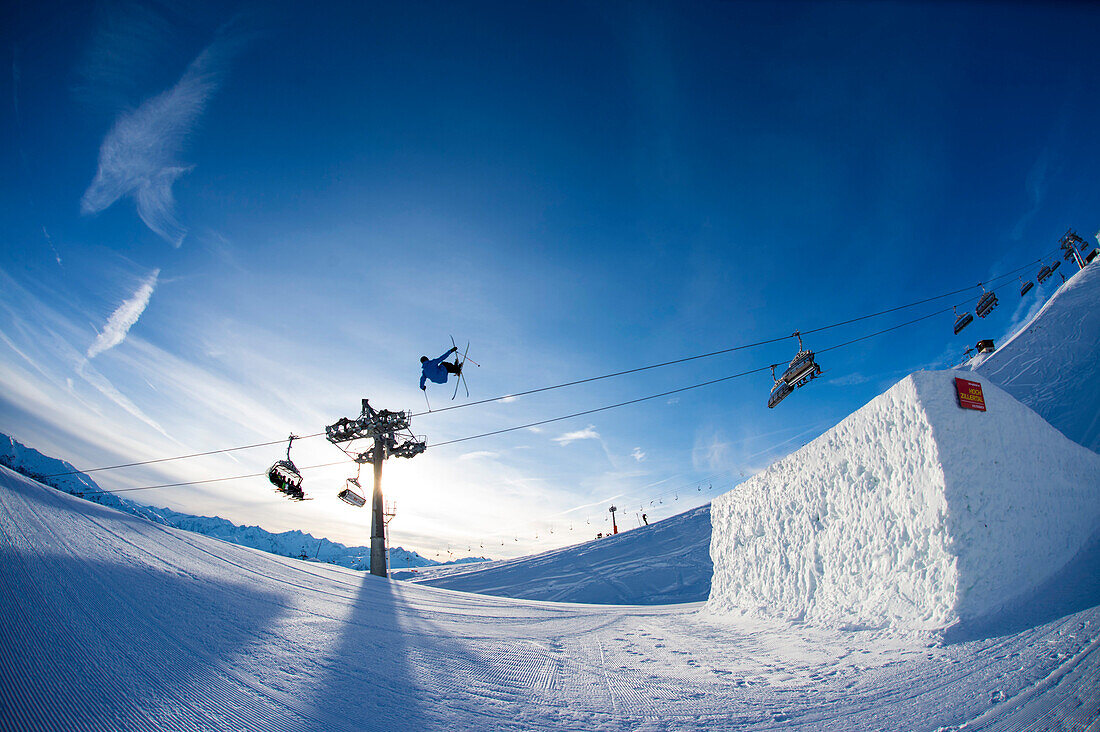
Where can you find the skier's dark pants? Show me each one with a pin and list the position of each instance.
(452, 368)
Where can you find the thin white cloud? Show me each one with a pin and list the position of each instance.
(478, 454)
(588, 433)
(124, 317)
(1036, 185)
(52, 247)
(637, 454)
(852, 379)
(138, 156)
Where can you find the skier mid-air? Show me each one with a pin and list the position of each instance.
(438, 369)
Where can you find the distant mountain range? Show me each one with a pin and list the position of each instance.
(33, 464)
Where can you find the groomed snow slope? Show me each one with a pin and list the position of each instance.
(666, 562)
(108, 622)
(1053, 364)
(911, 513)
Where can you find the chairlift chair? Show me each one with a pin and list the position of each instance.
(1055, 266)
(986, 303)
(961, 321)
(287, 480)
(352, 493)
(1025, 287)
(1044, 272)
(780, 391)
(802, 367)
(285, 477)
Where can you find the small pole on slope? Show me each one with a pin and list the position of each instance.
(614, 526)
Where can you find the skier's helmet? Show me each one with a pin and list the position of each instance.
(423, 359)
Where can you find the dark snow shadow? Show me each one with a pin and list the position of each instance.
(372, 681)
(1073, 588)
(95, 644)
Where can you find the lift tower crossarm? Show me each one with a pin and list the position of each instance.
(390, 435)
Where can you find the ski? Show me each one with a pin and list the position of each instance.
(460, 379)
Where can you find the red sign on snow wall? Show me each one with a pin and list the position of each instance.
(970, 394)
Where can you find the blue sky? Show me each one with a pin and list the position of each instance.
(222, 223)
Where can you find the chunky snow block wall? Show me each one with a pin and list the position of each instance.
(911, 513)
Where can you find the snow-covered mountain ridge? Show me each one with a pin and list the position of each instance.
(33, 464)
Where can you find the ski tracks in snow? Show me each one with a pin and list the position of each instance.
(108, 621)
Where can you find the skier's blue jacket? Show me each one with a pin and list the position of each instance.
(433, 369)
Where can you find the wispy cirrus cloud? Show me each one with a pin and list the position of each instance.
(638, 454)
(124, 317)
(107, 389)
(138, 157)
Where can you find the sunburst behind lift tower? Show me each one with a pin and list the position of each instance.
(390, 436)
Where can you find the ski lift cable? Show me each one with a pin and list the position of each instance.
(725, 350)
(103, 491)
(759, 369)
(568, 416)
(577, 382)
(181, 457)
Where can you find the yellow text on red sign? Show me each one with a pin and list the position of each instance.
(970, 394)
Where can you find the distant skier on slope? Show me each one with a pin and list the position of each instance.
(438, 369)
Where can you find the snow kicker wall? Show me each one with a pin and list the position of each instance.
(912, 513)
